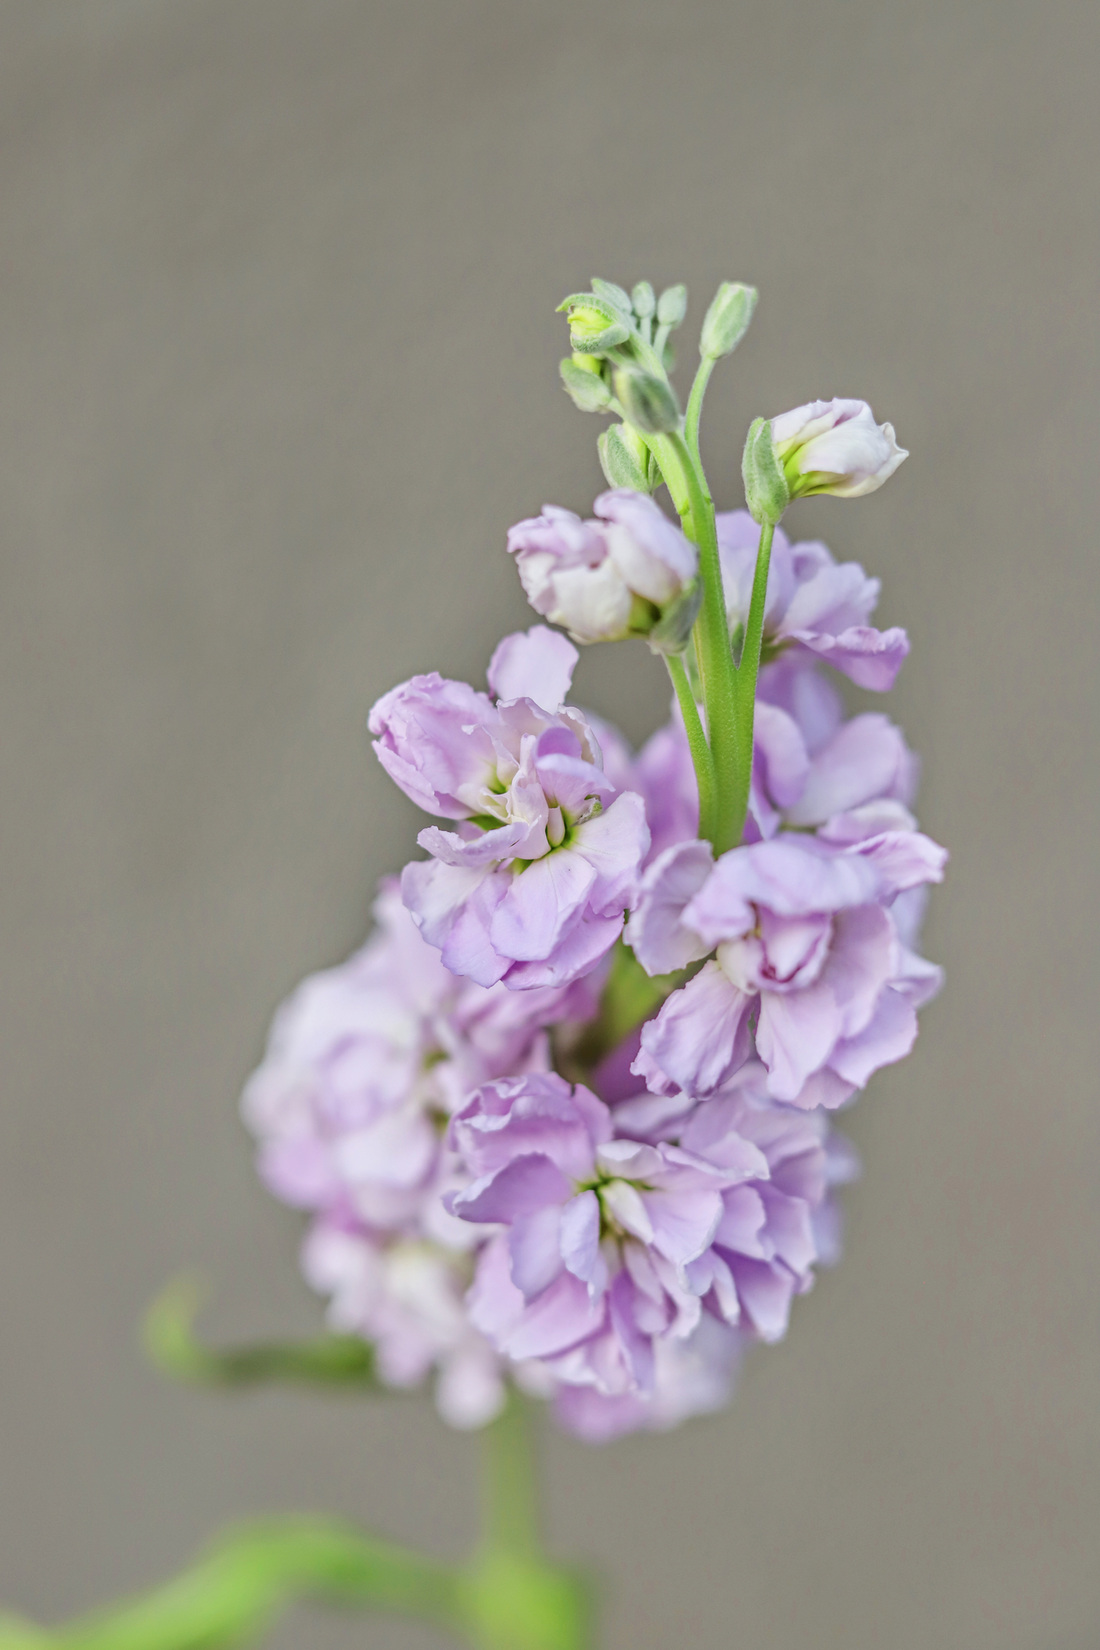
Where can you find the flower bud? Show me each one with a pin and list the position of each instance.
(583, 381)
(595, 325)
(672, 306)
(727, 320)
(624, 458)
(644, 300)
(835, 447)
(766, 492)
(648, 401)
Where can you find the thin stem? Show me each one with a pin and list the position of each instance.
(747, 673)
(697, 743)
(712, 640)
(695, 405)
(510, 1518)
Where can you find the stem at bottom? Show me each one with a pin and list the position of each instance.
(512, 1598)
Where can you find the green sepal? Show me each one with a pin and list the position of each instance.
(585, 388)
(648, 401)
(170, 1343)
(727, 320)
(624, 458)
(766, 492)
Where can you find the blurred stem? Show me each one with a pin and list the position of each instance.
(510, 1510)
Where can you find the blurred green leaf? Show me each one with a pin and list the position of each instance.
(171, 1344)
(234, 1594)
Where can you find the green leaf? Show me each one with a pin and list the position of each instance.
(170, 1343)
(245, 1582)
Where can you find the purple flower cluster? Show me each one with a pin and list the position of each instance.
(488, 1202)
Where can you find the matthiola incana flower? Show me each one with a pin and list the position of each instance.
(804, 944)
(835, 447)
(363, 1067)
(815, 608)
(532, 885)
(619, 575)
(634, 1272)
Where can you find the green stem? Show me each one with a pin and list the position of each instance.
(695, 406)
(712, 639)
(510, 1513)
(697, 742)
(747, 673)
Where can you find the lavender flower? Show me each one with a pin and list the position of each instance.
(805, 944)
(605, 579)
(532, 886)
(633, 1272)
(814, 606)
(835, 447)
(363, 1067)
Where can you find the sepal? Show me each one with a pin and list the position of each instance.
(583, 383)
(648, 401)
(766, 491)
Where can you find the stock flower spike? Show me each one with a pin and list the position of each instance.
(562, 1126)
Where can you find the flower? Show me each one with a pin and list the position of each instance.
(835, 447)
(815, 607)
(364, 1065)
(605, 579)
(804, 944)
(633, 1272)
(533, 885)
(407, 1297)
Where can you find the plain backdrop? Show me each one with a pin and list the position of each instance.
(277, 283)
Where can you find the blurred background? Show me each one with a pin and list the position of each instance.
(280, 368)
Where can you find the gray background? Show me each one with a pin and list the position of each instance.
(279, 369)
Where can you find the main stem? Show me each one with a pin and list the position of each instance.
(688, 487)
(510, 1510)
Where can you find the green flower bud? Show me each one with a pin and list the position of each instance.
(727, 320)
(672, 306)
(644, 300)
(595, 325)
(580, 374)
(766, 491)
(624, 458)
(647, 401)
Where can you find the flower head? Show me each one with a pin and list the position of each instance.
(804, 946)
(532, 886)
(815, 607)
(835, 447)
(609, 578)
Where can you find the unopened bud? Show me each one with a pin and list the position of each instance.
(835, 447)
(727, 320)
(595, 325)
(672, 306)
(583, 381)
(647, 401)
(644, 300)
(624, 458)
(766, 492)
